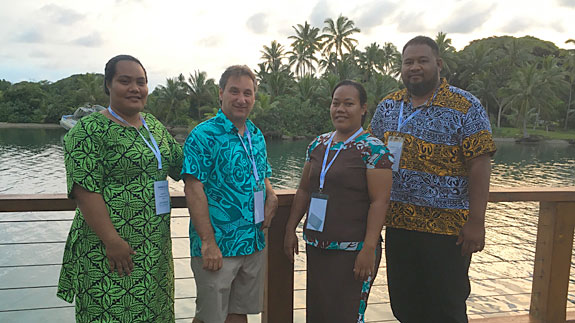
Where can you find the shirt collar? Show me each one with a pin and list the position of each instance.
(443, 87)
(229, 127)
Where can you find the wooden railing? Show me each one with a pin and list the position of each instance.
(552, 256)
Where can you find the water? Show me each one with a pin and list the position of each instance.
(31, 162)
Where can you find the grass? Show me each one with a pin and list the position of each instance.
(505, 132)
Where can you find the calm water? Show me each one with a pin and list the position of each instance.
(31, 162)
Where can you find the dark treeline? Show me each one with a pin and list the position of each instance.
(523, 82)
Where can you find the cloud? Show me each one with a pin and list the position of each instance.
(30, 36)
(320, 13)
(373, 14)
(468, 17)
(92, 40)
(411, 22)
(567, 3)
(61, 15)
(258, 23)
(210, 41)
(38, 54)
(516, 25)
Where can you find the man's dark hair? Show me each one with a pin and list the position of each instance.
(360, 90)
(237, 71)
(423, 40)
(110, 69)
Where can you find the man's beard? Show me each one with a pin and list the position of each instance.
(421, 88)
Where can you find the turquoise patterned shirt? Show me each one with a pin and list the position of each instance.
(214, 154)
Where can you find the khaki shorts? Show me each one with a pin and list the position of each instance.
(237, 288)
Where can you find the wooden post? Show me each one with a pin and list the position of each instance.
(552, 261)
(278, 296)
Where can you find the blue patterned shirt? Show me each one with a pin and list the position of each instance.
(430, 190)
(214, 154)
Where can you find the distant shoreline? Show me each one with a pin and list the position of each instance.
(5, 125)
(182, 131)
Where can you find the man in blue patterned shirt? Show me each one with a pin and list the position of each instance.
(440, 137)
(231, 202)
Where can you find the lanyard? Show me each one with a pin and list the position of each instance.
(155, 149)
(401, 122)
(250, 156)
(324, 169)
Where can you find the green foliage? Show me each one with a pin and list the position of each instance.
(523, 82)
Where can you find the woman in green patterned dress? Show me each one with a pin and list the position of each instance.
(118, 264)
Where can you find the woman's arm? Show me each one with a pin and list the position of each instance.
(298, 209)
(96, 214)
(379, 188)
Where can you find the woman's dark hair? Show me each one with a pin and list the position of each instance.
(110, 69)
(360, 90)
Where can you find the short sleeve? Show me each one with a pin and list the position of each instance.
(376, 155)
(83, 156)
(310, 148)
(197, 156)
(477, 139)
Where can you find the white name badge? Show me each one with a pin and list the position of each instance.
(317, 210)
(162, 197)
(258, 206)
(395, 146)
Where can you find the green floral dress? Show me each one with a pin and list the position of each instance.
(114, 161)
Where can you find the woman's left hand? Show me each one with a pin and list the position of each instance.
(364, 264)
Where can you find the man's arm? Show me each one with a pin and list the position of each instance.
(271, 205)
(472, 235)
(198, 207)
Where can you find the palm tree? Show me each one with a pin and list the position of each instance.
(446, 53)
(90, 87)
(171, 98)
(337, 35)
(570, 72)
(302, 58)
(390, 60)
(370, 61)
(203, 94)
(273, 56)
(528, 92)
(307, 41)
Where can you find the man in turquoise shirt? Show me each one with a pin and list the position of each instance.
(231, 202)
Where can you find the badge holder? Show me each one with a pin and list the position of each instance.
(162, 197)
(317, 211)
(259, 215)
(395, 146)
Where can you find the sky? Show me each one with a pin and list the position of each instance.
(53, 39)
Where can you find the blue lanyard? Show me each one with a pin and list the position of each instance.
(324, 169)
(401, 123)
(155, 149)
(250, 156)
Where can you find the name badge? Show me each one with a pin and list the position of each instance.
(259, 206)
(162, 197)
(395, 146)
(317, 210)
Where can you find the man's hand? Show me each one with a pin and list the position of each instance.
(291, 245)
(270, 206)
(119, 254)
(211, 256)
(364, 264)
(471, 237)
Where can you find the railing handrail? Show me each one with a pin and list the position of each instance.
(61, 202)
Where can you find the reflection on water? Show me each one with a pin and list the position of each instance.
(31, 162)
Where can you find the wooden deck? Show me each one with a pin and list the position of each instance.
(551, 264)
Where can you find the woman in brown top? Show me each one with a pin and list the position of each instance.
(344, 189)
